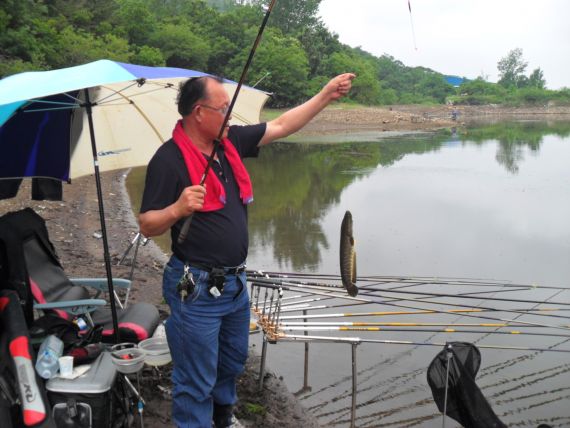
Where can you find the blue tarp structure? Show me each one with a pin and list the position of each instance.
(454, 80)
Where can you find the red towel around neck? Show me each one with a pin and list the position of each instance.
(196, 165)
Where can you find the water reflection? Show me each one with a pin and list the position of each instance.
(514, 137)
(297, 184)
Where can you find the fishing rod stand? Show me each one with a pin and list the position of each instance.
(268, 314)
(137, 241)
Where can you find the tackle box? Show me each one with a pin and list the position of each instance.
(86, 401)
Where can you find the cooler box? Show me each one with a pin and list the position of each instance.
(87, 401)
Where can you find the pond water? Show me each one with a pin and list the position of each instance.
(491, 201)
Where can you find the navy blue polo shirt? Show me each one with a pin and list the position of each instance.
(215, 238)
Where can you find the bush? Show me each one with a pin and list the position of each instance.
(530, 95)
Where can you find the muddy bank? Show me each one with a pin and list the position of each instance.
(334, 120)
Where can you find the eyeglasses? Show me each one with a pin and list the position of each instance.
(222, 110)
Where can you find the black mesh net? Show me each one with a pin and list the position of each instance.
(465, 401)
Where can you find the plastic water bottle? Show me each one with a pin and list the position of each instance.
(160, 331)
(50, 350)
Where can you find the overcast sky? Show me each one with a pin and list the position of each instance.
(459, 37)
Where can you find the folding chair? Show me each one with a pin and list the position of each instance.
(31, 267)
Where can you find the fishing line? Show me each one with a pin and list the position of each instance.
(412, 24)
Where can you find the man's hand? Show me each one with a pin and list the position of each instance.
(339, 86)
(293, 120)
(191, 199)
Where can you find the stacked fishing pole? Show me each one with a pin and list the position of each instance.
(291, 302)
(287, 303)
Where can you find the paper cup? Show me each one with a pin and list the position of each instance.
(65, 366)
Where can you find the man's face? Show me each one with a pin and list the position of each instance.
(213, 109)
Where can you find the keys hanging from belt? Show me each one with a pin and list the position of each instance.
(186, 283)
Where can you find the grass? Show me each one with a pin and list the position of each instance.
(255, 409)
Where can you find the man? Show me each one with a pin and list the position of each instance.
(204, 281)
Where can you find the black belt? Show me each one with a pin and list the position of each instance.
(227, 270)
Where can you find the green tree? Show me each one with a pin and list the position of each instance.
(536, 79)
(366, 87)
(292, 16)
(286, 62)
(511, 69)
(180, 46)
(135, 21)
(78, 47)
(319, 43)
(147, 55)
(230, 34)
(432, 85)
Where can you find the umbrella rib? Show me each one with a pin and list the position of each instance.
(108, 99)
(114, 92)
(36, 110)
(34, 101)
(143, 115)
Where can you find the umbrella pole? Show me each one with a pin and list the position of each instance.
(106, 255)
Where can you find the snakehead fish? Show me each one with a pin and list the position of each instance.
(348, 256)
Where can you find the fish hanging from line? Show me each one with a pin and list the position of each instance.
(348, 256)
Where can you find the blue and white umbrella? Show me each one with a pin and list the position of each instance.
(95, 117)
(44, 128)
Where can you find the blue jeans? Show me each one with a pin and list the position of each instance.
(208, 339)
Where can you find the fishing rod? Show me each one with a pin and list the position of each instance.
(391, 313)
(357, 340)
(304, 304)
(469, 295)
(464, 296)
(271, 284)
(367, 297)
(397, 324)
(414, 330)
(520, 310)
(186, 226)
(512, 311)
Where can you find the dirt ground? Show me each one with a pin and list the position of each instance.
(74, 228)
